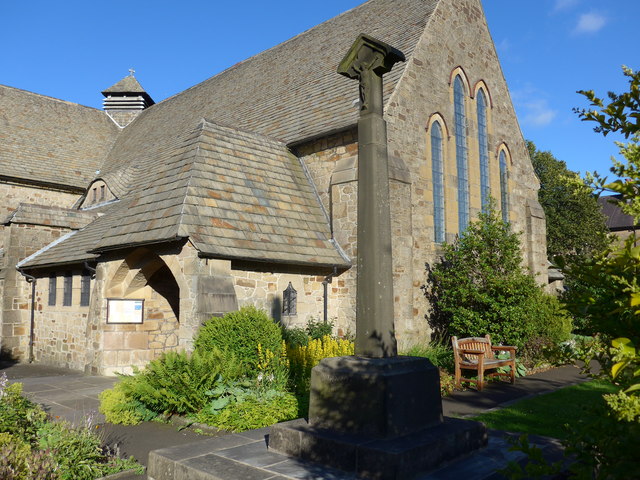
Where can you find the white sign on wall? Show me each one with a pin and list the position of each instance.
(124, 310)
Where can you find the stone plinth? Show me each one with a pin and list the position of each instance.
(379, 397)
(399, 458)
(380, 418)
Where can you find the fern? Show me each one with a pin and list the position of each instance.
(177, 381)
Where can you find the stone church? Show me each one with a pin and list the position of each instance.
(122, 229)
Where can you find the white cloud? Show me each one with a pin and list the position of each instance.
(537, 113)
(533, 109)
(564, 5)
(590, 23)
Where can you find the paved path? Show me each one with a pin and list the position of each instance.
(72, 395)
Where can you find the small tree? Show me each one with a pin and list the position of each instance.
(576, 226)
(480, 287)
(606, 444)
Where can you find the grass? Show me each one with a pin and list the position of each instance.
(548, 414)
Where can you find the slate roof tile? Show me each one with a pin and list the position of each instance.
(50, 141)
(181, 170)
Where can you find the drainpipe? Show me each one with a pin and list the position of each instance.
(327, 280)
(32, 280)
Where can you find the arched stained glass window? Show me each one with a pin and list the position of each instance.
(461, 154)
(504, 185)
(437, 169)
(483, 148)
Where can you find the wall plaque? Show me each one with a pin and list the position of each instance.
(121, 310)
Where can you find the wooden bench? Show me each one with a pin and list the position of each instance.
(477, 353)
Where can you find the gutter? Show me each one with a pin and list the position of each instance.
(32, 280)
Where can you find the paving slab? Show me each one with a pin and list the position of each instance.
(246, 455)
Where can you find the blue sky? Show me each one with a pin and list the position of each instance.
(548, 48)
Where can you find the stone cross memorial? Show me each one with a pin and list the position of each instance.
(375, 414)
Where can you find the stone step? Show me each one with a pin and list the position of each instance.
(245, 456)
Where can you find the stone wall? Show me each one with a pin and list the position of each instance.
(60, 331)
(265, 291)
(457, 41)
(20, 241)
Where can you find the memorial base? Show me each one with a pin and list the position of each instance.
(379, 418)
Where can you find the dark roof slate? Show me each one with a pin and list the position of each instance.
(290, 92)
(50, 216)
(48, 141)
(233, 194)
(128, 84)
(236, 194)
(615, 218)
(74, 247)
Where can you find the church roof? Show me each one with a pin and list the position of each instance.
(230, 183)
(128, 84)
(234, 194)
(616, 219)
(51, 142)
(52, 216)
(290, 92)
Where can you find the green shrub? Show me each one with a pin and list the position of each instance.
(14, 458)
(295, 336)
(77, 451)
(439, 354)
(254, 409)
(174, 383)
(318, 329)
(19, 416)
(38, 449)
(239, 333)
(118, 408)
(480, 287)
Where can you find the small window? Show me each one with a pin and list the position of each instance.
(289, 301)
(102, 189)
(85, 290)
(53, 284)
(94, 197)
(68, 285)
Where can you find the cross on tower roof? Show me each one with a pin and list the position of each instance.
(131, 72)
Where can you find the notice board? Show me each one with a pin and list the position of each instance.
(124, 310)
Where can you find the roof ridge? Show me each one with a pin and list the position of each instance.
(51, 98)
(244, 131)
(195, 139)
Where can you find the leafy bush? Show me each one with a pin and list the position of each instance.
(438, 354)
(252, 409)
(78, 452)
(38, 449)
(19, 416)
(295, 336)
(318, 329)
(447, 383)
(480, 287)
(119, 408)
(239, 333)
(303, 359)
(174, 383)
